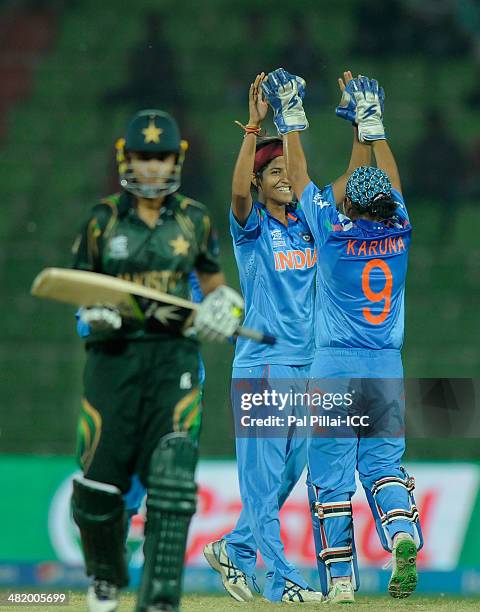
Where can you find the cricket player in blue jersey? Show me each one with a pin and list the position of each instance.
(362, 264)
(276, 258)
(99, 317)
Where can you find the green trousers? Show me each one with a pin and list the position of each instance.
(135, 392)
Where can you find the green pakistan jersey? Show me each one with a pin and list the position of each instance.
(115, 241)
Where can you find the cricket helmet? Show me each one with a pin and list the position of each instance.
(151, 132)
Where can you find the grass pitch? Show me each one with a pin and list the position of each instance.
(224, 603)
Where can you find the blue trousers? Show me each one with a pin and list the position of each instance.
(268, 469)
(376, 377)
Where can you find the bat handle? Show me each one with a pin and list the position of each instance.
(255, 335)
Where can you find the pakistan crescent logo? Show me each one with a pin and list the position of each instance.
(152, 132)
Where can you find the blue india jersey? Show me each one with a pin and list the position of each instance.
(276, 266)
(361, 273)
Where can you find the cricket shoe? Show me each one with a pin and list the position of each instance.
(293, 593)
(341, 592)
(233, 579)
(404, 578)
(102, 596)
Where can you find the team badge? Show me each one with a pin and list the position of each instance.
(152, 132)
(186, 381)
(118, 247)
(307, 237)
(180, 246)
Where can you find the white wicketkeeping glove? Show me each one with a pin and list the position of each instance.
(219, 315)
(369, 113)
(101, 318)
(284, 92)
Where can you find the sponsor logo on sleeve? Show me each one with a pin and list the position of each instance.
(317, 199)
(118, 247)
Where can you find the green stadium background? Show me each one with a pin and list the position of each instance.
(63, 65)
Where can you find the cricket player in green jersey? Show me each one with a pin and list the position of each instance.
(142, 398)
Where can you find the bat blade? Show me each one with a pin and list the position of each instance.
(82, 288)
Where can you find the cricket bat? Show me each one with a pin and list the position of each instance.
(82, 288)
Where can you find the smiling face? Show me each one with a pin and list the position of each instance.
(273, 184)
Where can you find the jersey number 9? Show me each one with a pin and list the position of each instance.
(373, 296)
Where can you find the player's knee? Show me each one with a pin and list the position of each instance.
(99, 511)
(95, 502)
(171, 484)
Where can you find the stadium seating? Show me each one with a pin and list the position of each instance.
(58, 147)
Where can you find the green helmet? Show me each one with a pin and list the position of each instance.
(151, 131)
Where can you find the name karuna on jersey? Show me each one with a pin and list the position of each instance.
(367, 248)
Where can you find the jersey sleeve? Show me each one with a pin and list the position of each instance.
(320, 211)
(250, 231)
(401, 211)
(207, 260)
(86, 248)
(88, 245)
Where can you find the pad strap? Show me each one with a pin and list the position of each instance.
(389, 481)
(399, 514)
(337, 554)
(332, 509)
(396, 514)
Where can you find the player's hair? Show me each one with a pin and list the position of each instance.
(383, 208)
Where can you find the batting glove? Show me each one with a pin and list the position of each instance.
(219, 315)
(284, 93)
(369, 112)
(101, 318)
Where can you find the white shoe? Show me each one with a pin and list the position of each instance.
(293, 593)
(233, 579)
(102, 596)
(341, 592)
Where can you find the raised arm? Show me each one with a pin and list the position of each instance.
(361, 156)
(284, 92)
(242, 174)
(386, 162)
(295, 162)
(361, 153)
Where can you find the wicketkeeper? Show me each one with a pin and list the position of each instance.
(363, 244)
